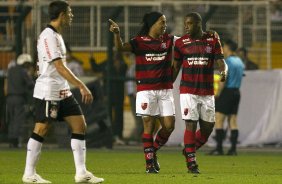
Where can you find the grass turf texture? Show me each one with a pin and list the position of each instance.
(127, 167)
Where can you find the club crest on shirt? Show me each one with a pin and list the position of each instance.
(163, 45)
(185, 111)
(144, 106)
(208, 49)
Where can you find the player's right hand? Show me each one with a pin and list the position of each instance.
(223, 76)
(86, 95)
(114, 27)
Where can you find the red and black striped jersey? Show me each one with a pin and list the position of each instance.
(153, 62)
(197, 57)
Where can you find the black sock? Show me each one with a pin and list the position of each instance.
(219, 138)
(234, 138)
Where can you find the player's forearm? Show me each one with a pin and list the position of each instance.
(222, 66)
(175, 70)
(70, 77)
(118, 42)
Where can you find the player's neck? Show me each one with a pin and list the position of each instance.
(56, 25)
(198, 35)
(154, 35)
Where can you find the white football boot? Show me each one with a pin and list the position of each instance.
(34, 179)
(88, 177)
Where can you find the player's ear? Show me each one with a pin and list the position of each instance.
(62, 15)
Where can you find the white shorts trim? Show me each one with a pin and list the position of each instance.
(155, 103)
(195, 107)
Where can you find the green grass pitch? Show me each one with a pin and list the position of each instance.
(126, 166)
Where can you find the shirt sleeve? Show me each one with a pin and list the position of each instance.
(177, 54)
(53, 48)
(174, 39)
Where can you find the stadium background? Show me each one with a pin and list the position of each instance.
(256, 25)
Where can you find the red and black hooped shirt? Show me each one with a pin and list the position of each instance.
(197, 57)
(153, 62)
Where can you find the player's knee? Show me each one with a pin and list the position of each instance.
(207, 129)
(79, 129)
(169, 129)
(41, 129)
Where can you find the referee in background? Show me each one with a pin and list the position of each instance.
(228, 98)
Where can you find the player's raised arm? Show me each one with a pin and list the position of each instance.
(114, 28)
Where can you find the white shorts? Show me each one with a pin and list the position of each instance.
(195, 107)
(155, 103)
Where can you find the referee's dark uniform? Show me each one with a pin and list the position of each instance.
(228, 101)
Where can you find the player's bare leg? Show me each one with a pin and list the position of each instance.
(203, 133)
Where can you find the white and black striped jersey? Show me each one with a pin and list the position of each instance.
(50, 85)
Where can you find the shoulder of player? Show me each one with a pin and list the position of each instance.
(47, 32)
(182, 39)
(211, 34)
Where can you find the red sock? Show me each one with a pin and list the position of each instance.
(200, 139)
(161, 139)
(190, 149)
(147, 140)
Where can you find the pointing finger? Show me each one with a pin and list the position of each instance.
(111, 21)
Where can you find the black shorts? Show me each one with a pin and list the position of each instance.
(56, 110)
(228, 101)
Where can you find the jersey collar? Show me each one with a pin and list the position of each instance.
(51, 27)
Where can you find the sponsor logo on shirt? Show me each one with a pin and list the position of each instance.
(155, 57)
(186, 41)
(197, 61)
(145, 38)
(47, 48)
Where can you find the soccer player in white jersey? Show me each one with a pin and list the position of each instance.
(53, 98)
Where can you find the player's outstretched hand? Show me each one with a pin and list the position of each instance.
(114, 27)
(86, 95)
